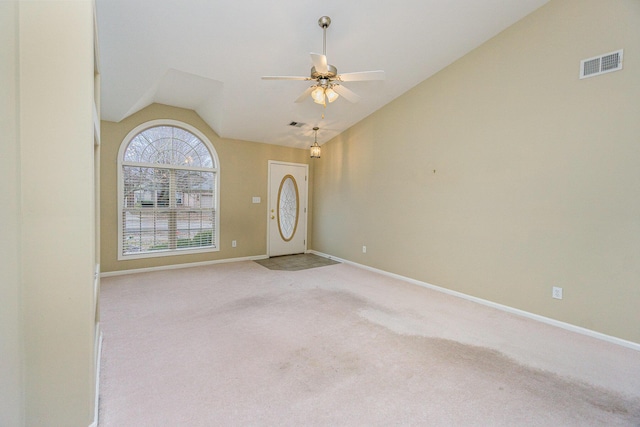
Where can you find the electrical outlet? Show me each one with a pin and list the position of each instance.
(556, 292)
(233, 243)
(364, 249)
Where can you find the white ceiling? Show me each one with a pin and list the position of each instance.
(209, 55)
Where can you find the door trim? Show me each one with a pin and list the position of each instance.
(304, 208)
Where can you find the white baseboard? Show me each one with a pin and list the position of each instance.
(537, 317)
(96, 412)
(177, 266)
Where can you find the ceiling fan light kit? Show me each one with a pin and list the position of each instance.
(327, 85)
(318, 95)
(324, 93)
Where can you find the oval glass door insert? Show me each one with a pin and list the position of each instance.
(288, 207)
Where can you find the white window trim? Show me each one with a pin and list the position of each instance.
(216, 170)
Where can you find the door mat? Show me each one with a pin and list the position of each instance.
(295, 262)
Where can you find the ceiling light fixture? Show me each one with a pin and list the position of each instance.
(318, 95)
(315, 148)
(324, 92)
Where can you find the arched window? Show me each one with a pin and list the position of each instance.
(167, 191)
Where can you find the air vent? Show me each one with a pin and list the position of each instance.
(296, 124)
(601, 64)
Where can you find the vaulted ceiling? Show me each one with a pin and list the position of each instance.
(209, 56)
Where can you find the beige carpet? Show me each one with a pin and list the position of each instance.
(237, 344)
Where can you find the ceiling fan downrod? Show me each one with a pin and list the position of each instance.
(324, 23)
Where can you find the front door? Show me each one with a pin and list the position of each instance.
(287, 208)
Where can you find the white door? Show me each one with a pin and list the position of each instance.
(287, 208)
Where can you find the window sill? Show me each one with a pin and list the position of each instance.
(163, 253)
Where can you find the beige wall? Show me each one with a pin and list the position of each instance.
(11, 354)
(504, 174)
(243, 174)
(56, 150)
(46, 164)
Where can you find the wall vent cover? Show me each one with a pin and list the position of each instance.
(601, 64)
(296, 124)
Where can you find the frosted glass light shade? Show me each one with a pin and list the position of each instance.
(332, 95)
(318, 95)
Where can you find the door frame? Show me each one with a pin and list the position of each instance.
(305, 208)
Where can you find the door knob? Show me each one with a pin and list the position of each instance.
(273, 217)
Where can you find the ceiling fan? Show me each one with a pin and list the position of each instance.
(328, 83)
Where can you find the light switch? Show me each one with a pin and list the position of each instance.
(256, 199)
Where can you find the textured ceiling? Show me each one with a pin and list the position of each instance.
(209, 56)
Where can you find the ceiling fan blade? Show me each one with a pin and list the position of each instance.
(320, 62)
(361, 76)
(285, 78)
(348, 94)
(305, 94)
